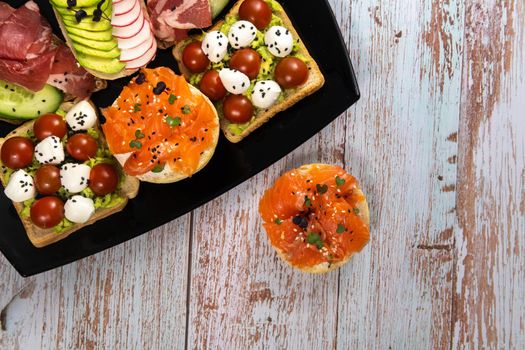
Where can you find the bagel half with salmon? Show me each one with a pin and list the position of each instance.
(160, 128)
(316, 217)
(110, 39)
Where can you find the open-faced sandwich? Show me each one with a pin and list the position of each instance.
(252, 65)
(60, 176)
(36, 68)
(316, 217)
(160, 128)
(110, 38)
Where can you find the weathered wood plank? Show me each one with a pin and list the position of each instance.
(398, 292)
(489, 304)
(129, 297)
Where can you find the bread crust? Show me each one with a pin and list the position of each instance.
(325, 267)
(168, 175)
(44, 237)
(315, 79)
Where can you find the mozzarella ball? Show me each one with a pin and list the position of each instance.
(75, 177)
(50, 151)
(234, 82)
(265, 93)
(20, 187)
(215, 46)
(241, 34)
(79, 209)
(82, 116)
(279, 41)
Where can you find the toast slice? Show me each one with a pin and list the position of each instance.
(315, 79)
(43, 237)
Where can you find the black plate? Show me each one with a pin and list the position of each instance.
(231, 165)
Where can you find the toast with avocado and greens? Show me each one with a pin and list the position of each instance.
(253, 65)
(57, 182)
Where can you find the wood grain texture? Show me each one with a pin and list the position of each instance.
(438, 143)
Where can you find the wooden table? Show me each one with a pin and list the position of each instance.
(438, 142)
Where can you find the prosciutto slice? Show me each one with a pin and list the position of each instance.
(31, 57)
(172, 18)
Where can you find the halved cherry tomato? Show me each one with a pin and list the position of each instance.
(47, 212)
(103, 179)
(247, 61)
(82, 147)
(47, 179)
(49, 125)
(237, 109)
(291, 72)
(211, 86)
(256, 11)
(17, 152)
(194, 58)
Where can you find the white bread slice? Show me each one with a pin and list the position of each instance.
(44, 237)
(315, 79)
(168, 175)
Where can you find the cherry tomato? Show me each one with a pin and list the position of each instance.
(291, 72)
(211, 86)
(103, 179)
(247, 61)
(47, 180)
(82, 147)
(237, 109)
(256, 11)
(47, 212)
(49, 125)
(194, 58)
(17, 152)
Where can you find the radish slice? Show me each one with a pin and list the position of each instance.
(123, 7)
(138, 51)
(128, 18)
(141, 36)
(130, 30)
(145, 59)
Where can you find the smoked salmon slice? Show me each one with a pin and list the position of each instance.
(316, 217)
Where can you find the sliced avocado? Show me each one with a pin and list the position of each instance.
(103, 65)
(98, 45)
(88, 24)
(217, 6)
(105, 35)
(65, 11)
(18, 103)
(113, 53)
(76, 3)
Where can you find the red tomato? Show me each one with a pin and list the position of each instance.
(256, 11)
(194, 58)
(47, 180)
(17, 152)
(49, 125)
(82, 147)
(103, 179)
(211, 86)
(47, 212)
(291, 72)
(247, 61)
(237, 109)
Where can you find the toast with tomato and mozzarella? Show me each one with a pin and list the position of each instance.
(252, 65)
(60, 176)
(110, 39)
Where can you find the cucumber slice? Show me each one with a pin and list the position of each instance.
(19, 103)
(217, 6)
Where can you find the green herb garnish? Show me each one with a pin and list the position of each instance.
(172, 99)
(315, 238)
(159, 168)
(173, 121)
(356, 211)
(136, 107)
(340, 228)
(339, 181)
(307, 202)
(278, 221)
(135, 144)
(322, 189)
(139, 134)
(185, 109)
